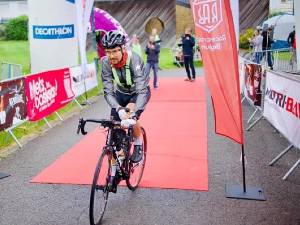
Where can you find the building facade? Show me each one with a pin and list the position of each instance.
(11, 9)
(285, 6)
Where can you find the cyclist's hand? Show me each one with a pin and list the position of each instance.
(128, 122)
(123, 114)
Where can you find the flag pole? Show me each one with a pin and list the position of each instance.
(244, 169)
(243, 192)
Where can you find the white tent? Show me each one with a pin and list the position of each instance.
(283, 25)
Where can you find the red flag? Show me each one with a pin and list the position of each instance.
(215, 32)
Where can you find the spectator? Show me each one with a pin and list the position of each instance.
(100, 49)
(152, 52)
(294, 53)
(188, 43)
(257, 42)
(292, 43)
(135, 45)
(156, 36)
(157, 39)
(266, 46)
(291, 38)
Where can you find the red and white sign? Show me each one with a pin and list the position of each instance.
(282, 106)
(81, 84)
(208, 14)
(47, 92)
(215, 32)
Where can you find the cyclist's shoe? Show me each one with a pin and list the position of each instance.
(111, 185)
(137, 154)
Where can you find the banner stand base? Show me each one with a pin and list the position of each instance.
(3, 175)
(237, 191)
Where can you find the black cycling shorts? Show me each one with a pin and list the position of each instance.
(123, 100)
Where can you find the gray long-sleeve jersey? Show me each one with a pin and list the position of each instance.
(139, 78)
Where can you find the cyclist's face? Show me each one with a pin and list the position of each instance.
(114, 54)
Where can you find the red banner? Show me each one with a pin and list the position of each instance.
(252, 90)
(215, 32)
(47, 92)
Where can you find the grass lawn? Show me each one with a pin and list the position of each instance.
(16, 52)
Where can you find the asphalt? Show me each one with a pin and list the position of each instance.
(22, 202)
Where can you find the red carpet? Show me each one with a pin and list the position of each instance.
(176, 126)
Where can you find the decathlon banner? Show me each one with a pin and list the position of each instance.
(282, 106)
(81, 84)
(52, 34)
(215, 32)
(12, 103)
(47, 92)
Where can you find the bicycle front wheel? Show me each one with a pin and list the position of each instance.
(136, 169)
(99, 191)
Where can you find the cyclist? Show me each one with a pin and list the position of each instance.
(125, 85)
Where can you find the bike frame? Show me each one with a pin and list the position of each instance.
(112, 148)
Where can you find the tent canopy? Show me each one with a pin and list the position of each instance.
(283, 25)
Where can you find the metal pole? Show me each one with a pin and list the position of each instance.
(291, 170)
(251, 117)
(255, 122)
(75, 100)
(59, 116)
(280, 155)
(14, 137)
(244, 169)
(49, 125)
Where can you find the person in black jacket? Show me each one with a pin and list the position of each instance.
(291, 38)
(152, 52)
(188, 43)
(267, 44)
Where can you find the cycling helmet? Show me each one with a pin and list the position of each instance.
(113, 39)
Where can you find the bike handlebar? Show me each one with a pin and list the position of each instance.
(103, 122)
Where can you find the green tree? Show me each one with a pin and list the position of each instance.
(17, 28)
(244, 43)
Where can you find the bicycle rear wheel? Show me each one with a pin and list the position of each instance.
(99, 190)
(136, 169)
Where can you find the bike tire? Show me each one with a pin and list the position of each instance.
(132, 183)
(97, 186)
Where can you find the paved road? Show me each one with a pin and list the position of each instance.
(38, 204)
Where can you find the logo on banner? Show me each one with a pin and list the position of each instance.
(208, 14)
(43, 93)
(53, 32)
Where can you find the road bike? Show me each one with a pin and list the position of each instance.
(114, 160)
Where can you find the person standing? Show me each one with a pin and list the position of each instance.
(267, 44)
(291, 41)
(154, 33)
(135, 45)
(257, 42)
(188, 43)
(152, 52)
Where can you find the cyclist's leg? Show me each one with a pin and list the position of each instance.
(137, 131)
